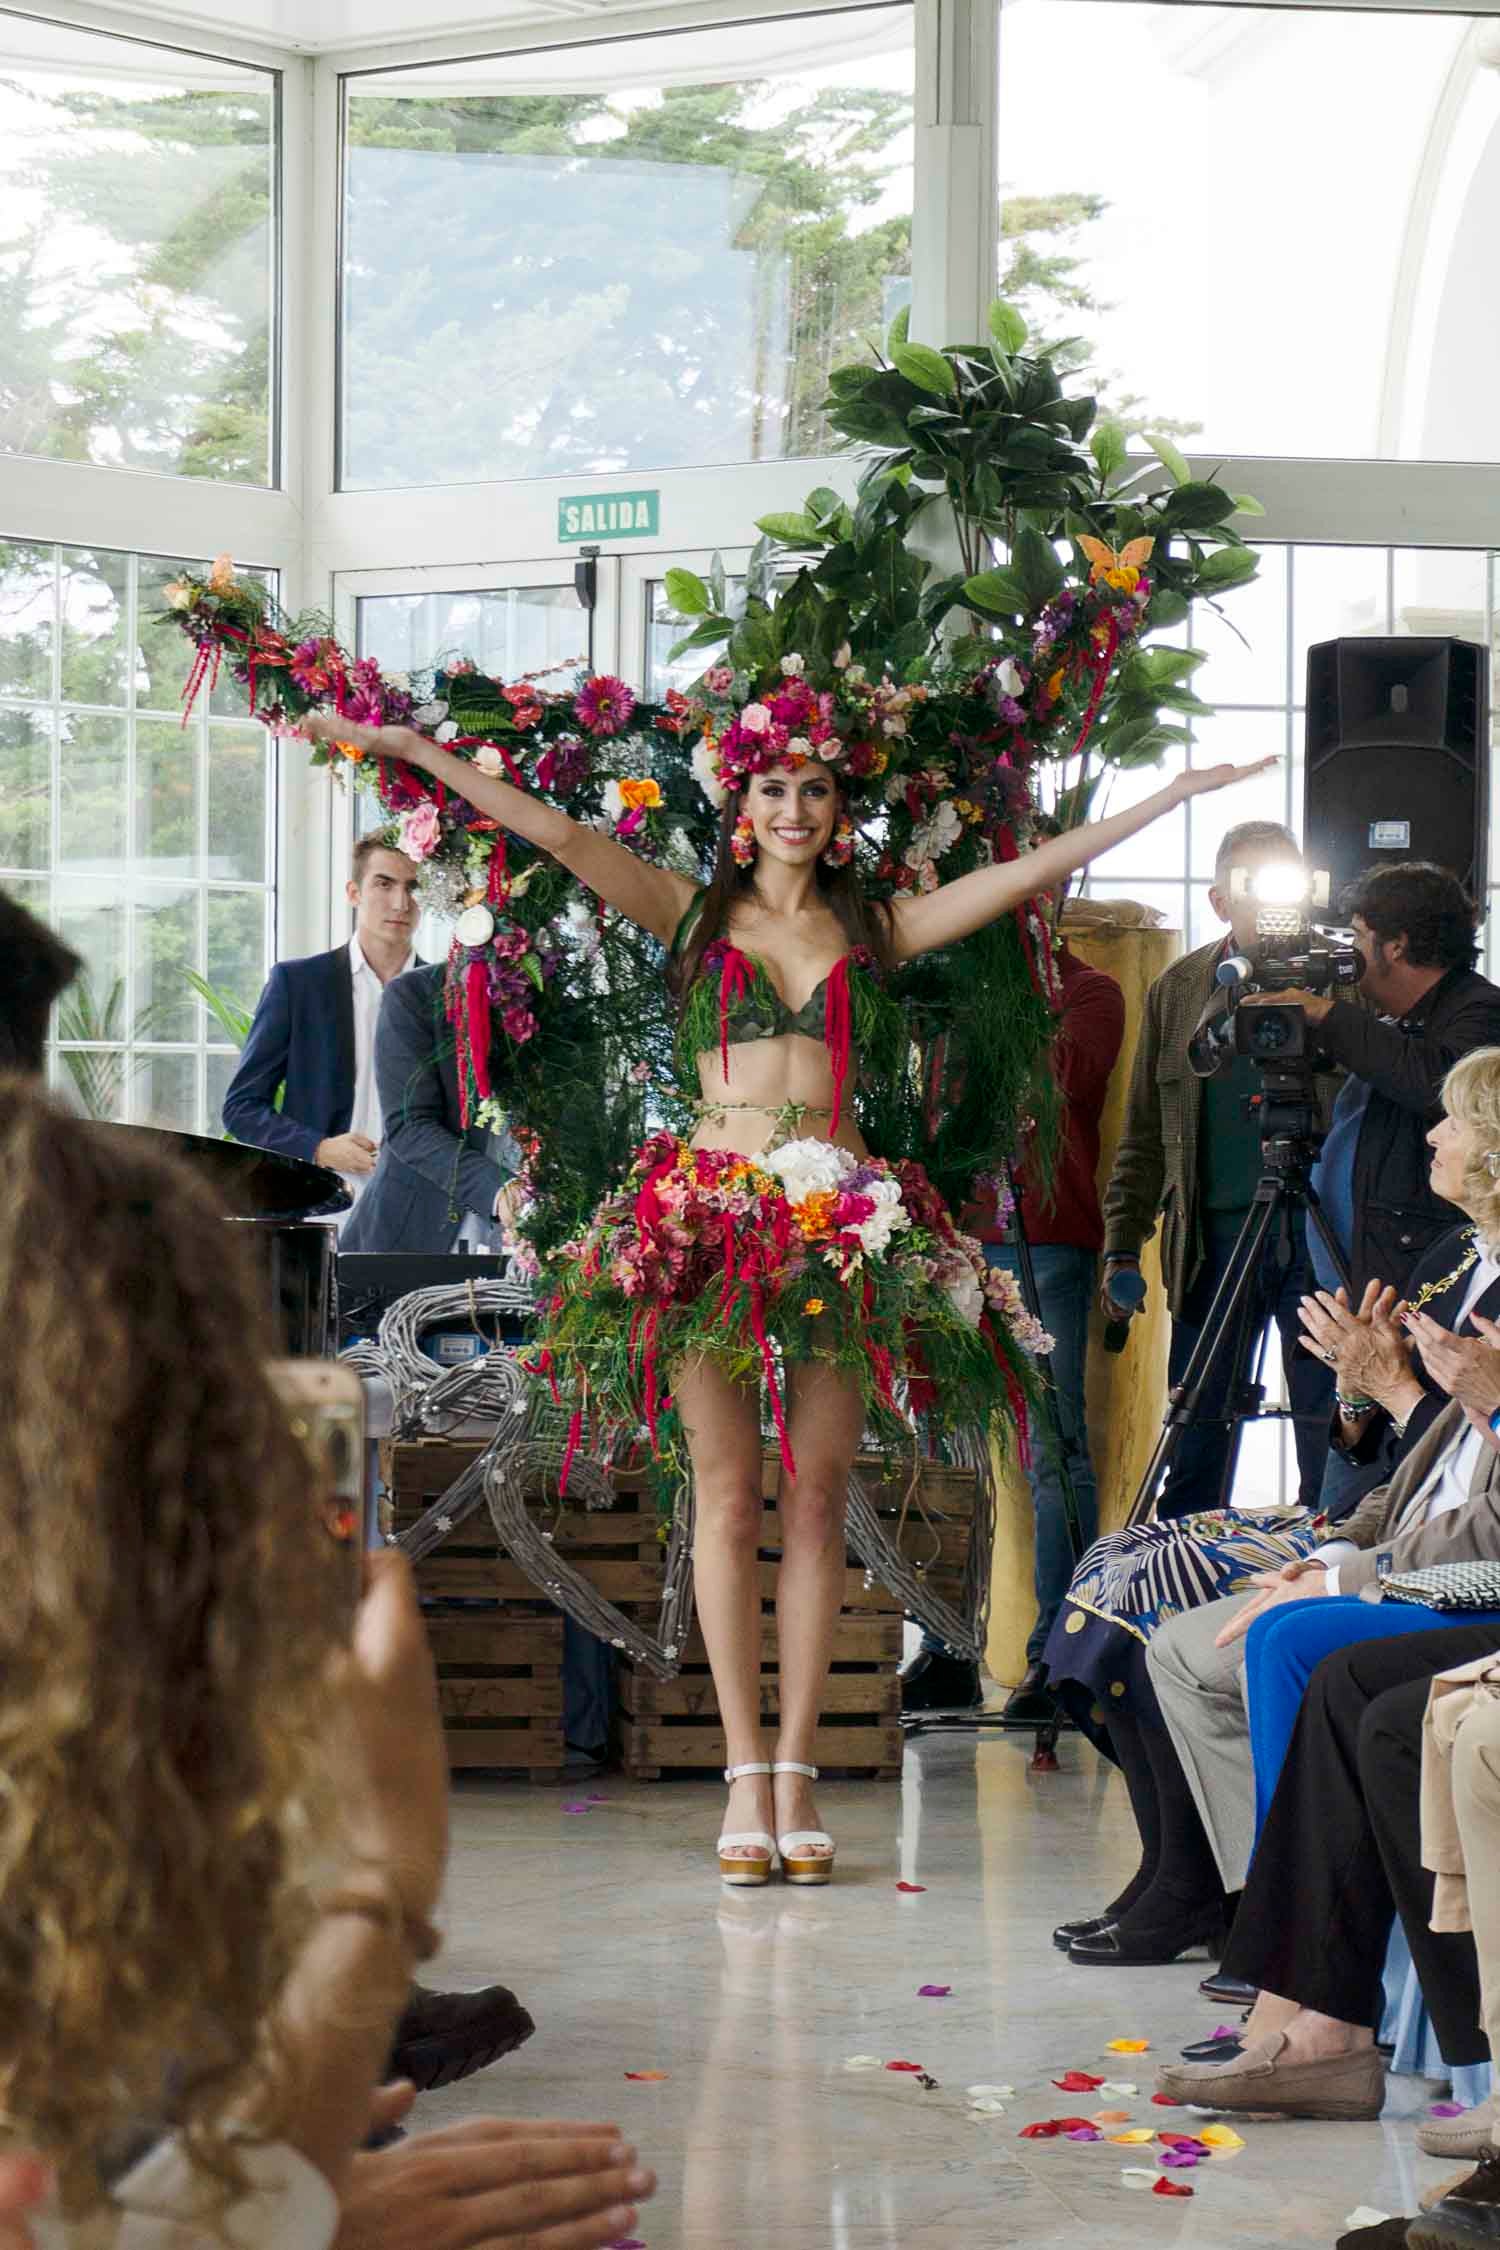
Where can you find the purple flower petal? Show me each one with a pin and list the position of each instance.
(1084, 2133)
(933, 1991)
(1446, 2109)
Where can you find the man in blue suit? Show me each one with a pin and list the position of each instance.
(313, 1038)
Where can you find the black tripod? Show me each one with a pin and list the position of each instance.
(1290, 1140)
(1064, 1449)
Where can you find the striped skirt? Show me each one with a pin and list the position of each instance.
(1131, 1581)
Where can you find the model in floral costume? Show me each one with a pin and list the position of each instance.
(771, 1247)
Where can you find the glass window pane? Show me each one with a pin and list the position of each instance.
(237, 769)
(1336, 591)
(1236, 738)
(28, 606)
(641, 255)
(164, 1092)
(137, 194)
(1158, 849)
(165, 927)
(1203, 923)
(236, 944)
(166, 798)
(219, 1069)
(95, 596)
(162, 652)
(92, 799)
(93, 1080)
(1245, 639)
(511, 630)
(1369, 240)
(1440, 590)
(91, 916)
(25, 788)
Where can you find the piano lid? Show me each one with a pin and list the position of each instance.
(251, 1183)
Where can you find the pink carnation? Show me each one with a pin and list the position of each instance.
(604, 704)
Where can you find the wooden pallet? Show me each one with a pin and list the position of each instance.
(500, 1688)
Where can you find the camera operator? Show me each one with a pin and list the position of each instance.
(1190, 1152)
(1423, 1007)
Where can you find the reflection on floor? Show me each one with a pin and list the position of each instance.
(610, 1923)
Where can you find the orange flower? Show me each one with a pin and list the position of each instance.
(350, 750)
(1055, 683)
(640, 796)
(221, 577)
(813, 1307)
(814, 1214)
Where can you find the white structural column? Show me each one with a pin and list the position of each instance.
(955, 214)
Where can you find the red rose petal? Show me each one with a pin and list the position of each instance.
(911, 1887)
(1170, 2187)
(1077, 2082)
(1043, 2132)
(903, 2066)
(1165, 2101)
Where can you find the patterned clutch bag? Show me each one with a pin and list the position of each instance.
(1447, 1586)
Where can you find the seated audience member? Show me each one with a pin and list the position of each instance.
(223, 1789)
(1189, 1156)
(439, 1182)
(1342, 1843)
(441, 2036)
(314, 1030)
(1157, 1582)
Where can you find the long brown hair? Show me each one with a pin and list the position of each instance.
(864, 921)
(170, 1606)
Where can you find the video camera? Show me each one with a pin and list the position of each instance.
(1292, 953)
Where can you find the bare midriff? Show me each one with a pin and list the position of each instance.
(777, 1090)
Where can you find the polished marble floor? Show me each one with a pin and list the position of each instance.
(611, 1924)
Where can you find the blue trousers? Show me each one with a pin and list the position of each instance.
(1065, 1280)
(1284, 1648)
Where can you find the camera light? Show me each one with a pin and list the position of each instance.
(1282, 882)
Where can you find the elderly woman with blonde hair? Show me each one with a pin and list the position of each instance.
(1135, 1623)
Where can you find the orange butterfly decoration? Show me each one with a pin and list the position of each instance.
(1120, 569)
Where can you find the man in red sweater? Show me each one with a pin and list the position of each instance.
(1065, 1228)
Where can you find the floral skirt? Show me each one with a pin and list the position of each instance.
(804, 1252)
(1131, 1581)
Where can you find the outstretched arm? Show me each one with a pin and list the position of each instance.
(652, 896)
(958, 908)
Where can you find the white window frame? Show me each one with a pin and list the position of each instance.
(315, 536)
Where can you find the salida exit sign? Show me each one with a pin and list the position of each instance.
(608, 515)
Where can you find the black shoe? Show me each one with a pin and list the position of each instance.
(1118, 1947)
(935, 1682)
(1064, 1934)
(444, 2036)
(1031, 1703)
(1468, 2216)
(1214, 2051)
(1233, 1991)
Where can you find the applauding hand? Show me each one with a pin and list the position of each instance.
(1466, 1367)
(1367, 1350)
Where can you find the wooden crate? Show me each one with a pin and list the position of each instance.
(934, 1527)
(500, 1687)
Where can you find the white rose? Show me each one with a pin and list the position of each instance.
(401, 681)
(488, 759)
(964, 1294)
(755, 718)
(793, 667)
(937, 834)
(446, 732)
(807, 1168)
(706, 774)
(893, 727)
(857, 675)
(428, 714)
(1008, 677)
(613, 801)
(800, 747)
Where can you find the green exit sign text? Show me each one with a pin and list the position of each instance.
(608, 515)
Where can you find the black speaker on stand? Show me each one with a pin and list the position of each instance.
(1397, 758)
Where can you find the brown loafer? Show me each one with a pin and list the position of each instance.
(1262, 2082)
(1455, 2138)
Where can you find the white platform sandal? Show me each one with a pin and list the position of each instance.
(806, 1853)
(748, 1869)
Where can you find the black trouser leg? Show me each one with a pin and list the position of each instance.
(1130, 1753)
(1447, 1965)
(1320, 1849)
(1186, 1875)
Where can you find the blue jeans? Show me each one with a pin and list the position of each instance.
(1285, 1647)
(1198, 1465)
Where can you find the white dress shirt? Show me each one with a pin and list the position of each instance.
(366, 1115)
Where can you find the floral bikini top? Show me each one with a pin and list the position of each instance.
(734, 1000)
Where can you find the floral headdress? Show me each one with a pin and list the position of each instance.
(849, 725)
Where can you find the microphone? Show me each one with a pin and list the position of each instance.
(1126, 1288)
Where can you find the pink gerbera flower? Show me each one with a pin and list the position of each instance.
(604, 704)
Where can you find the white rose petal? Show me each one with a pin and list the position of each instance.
(794, 666)
(488, 759)
(755, 718)
(446, 732)
(1008, 677)
(614, 800)
(706, 774)
(428, 714)
(476, 926)
(799, 747)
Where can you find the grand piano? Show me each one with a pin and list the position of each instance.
(289, 1209)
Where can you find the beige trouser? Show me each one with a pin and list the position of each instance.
(1476, 1806)
(1201, 1690)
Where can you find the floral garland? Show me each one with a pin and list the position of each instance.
(541, 983)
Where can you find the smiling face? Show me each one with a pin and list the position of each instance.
(1454, 1149)
(793, 814)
